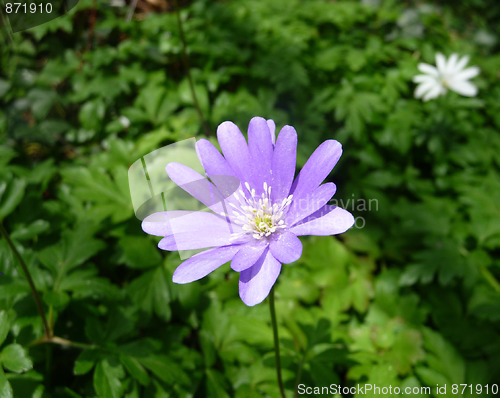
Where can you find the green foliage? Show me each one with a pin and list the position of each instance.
(409, 297)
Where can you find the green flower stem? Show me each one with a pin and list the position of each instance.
(490, 278)
(63, 342)
(6, 235)
(6, 28)
(188, 71)
(276, 342)
(299, 375)
(131, 10)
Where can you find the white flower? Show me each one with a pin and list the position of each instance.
(447, 74)
(124, 121)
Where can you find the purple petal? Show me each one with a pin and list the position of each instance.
(272, 130)
(286, 247)
(260, 147)
(308, 204)
(248, 255)
(212, 160)
(329, 220)
(158, 223)
(317, 168)
(196, 230)
(235, 150)
(177, 221)
(202, 264)
(199, 187)
(188, 241)
(283, 164)
(256, 282)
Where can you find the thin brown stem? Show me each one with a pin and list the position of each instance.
(188, 70)
(38, 302)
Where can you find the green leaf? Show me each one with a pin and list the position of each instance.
(85, 362)
(85, 283)
(103, 195)
(407, 350)
(57, 299)
(444, 259)
(5, 388)
(76, 247)
(15, 358)
(151, 292)
(166, 369)
(356, 107)
(11, 194)
(443, 357)
(108, 379)
(216, 384)
(135, 369)
(4, 87)
(91, 114)
(4, 326)
(485, 303)
(31, 230)
(208, 348)
(139, 252)
(42, 101)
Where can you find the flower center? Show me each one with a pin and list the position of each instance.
(258, 216)
(444, 82)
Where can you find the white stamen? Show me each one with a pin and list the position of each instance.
(258, 216)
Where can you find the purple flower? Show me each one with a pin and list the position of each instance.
(255, 226)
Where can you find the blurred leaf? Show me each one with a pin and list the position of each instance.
(14, 357)
(4, 326)
(208, 348)
(85, 284)
(139, 252)
(29, 231)
(85, 362)
(11, 194)
(485, 304)
(42, 101)
(356, 107)
(5, 388)
(151, 292)
(4, 87)
(108, 379)
(76, 247)
(92, 114)
(135, 369)
(445, 363)
(110, 198)
(443, 260)
(166, 369)
(216, 384)
(58, 300)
